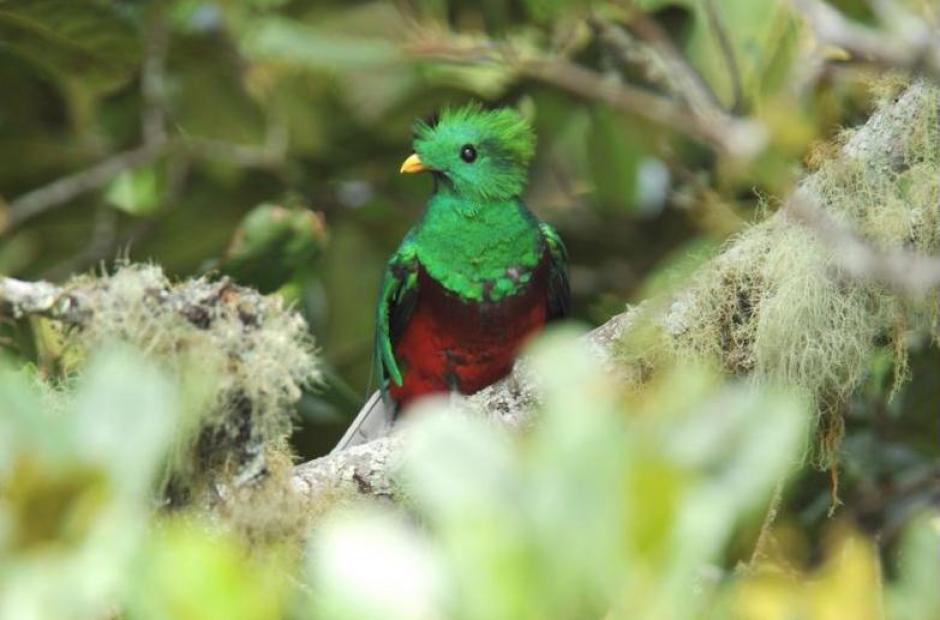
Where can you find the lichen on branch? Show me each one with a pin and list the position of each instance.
(778, 305)
(241, 357)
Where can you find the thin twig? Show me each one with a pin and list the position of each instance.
(688, 82)
(63, 190)
(737, 138)
(765, 538)
(908, 272)
(153, 80)
(915, 47)
(662, 63)
(590, 84)
(67, 188)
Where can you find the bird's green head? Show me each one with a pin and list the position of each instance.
(479, 154)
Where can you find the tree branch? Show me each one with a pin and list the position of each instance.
(915, 46)
(726, 134)
(67, 188)
(369, 468)
(907, 272)
(42, 299)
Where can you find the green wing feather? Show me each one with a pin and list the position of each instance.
(559, 290)
(397, 299)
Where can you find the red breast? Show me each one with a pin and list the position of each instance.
(454, 344)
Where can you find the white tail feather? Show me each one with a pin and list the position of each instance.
(373, 421)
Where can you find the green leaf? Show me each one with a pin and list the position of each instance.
(271, 244)
(80, 42)
(136, 192)
(368, 565)
(762, 36)
(77, 480)
(615, 150)
(188, 571)
(125, 415)
(23, 421)
(916, 595)
(303, 45)
(361, 44)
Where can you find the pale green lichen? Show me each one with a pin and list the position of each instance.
(242, 359)
(776, 308)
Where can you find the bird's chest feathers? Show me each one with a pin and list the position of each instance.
(480, 252)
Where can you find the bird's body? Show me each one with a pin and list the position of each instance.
(478, 274)
(453, 344)
(476, 304)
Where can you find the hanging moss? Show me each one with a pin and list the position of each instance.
(774, 306)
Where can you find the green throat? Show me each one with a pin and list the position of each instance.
(480, 251)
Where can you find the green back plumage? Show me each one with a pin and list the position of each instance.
(476, 237)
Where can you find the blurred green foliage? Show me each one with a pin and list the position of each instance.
(616, 504)
(271, 244)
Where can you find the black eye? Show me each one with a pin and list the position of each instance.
(468, 153)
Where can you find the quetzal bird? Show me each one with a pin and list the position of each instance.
(478, 274)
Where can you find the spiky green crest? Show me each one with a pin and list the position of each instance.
(503, 142)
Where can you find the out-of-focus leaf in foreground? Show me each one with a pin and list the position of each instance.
(611, 502)
(915, 594)
(76, 475)
(850, 583)
(186, 570)
(397, 569)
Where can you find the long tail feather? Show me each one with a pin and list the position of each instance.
(373, 421)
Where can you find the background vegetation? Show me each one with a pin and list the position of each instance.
(260, 139)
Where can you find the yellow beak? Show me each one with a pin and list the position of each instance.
(412, 164)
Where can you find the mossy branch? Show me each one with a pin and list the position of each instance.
(242, 358)
(41, 299)
(781, 303)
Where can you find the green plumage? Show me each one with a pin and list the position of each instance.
(504, 140)
(475, 239)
